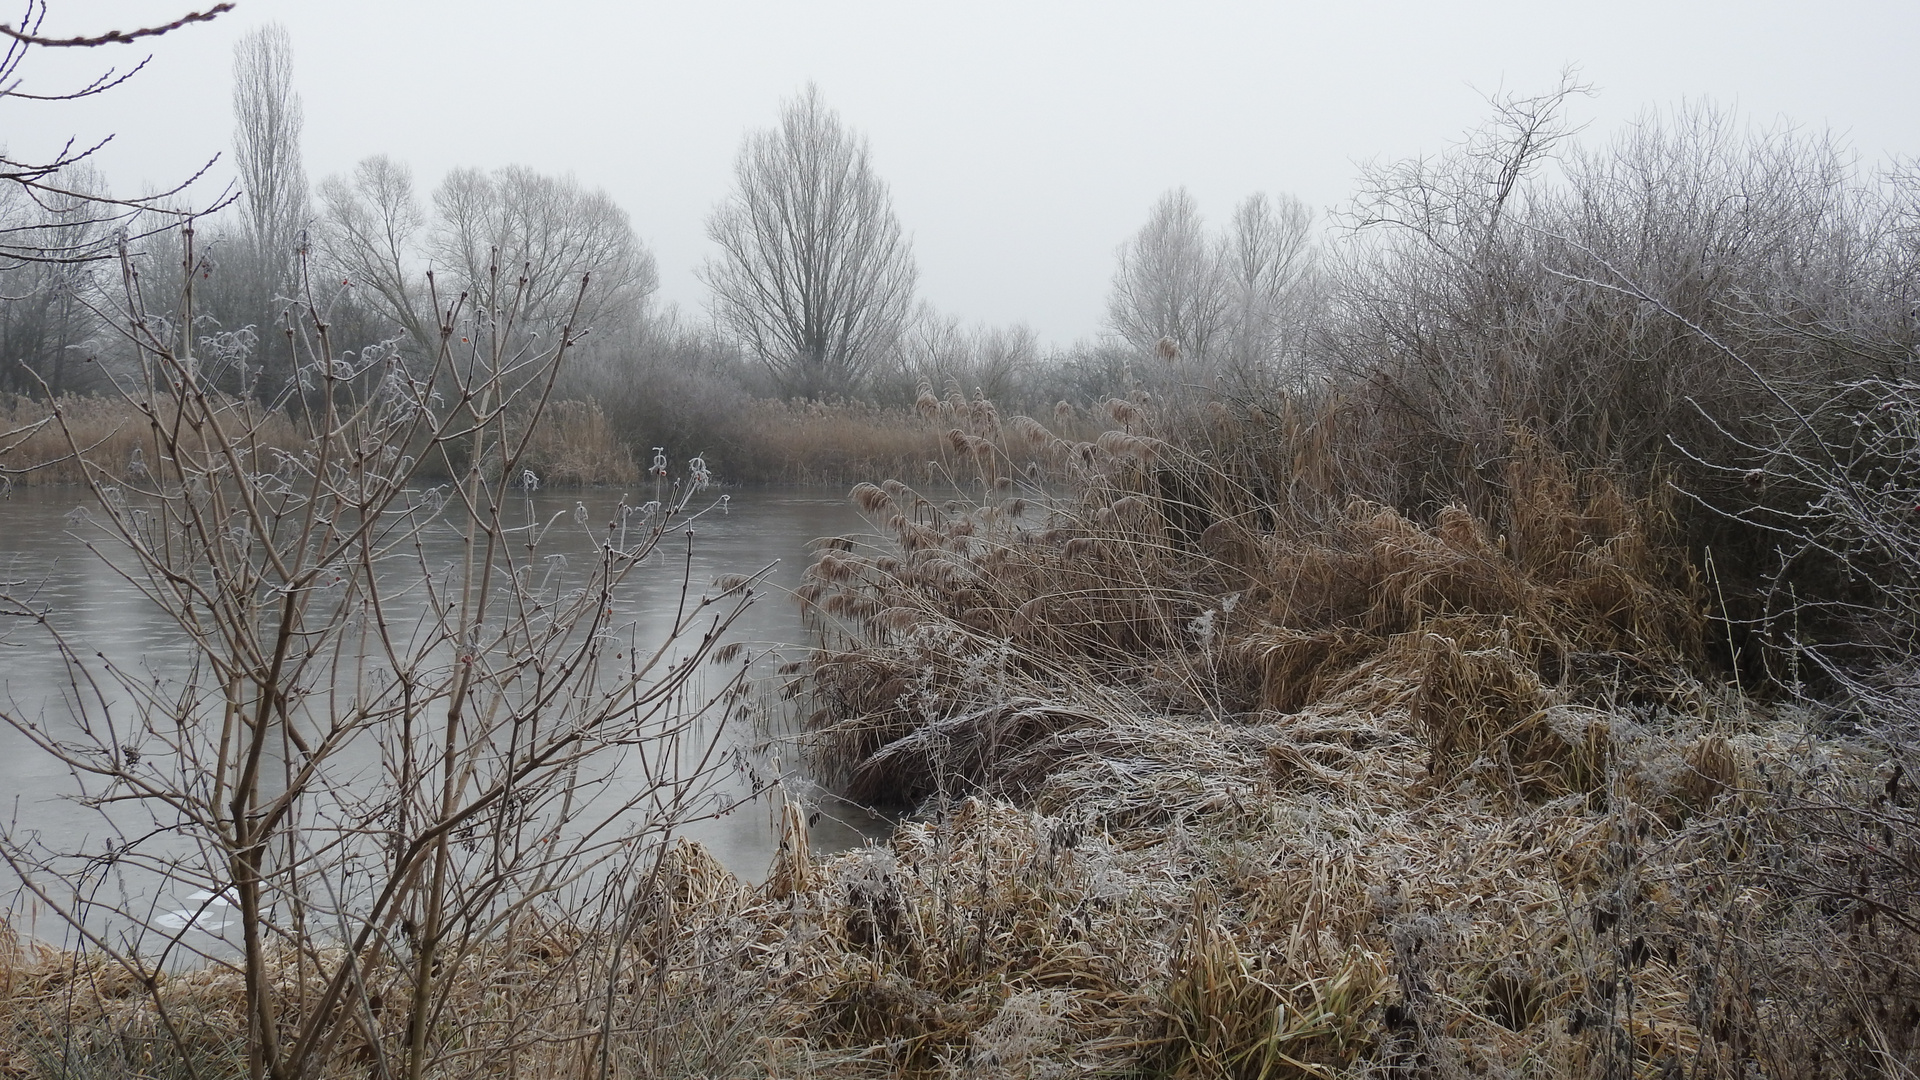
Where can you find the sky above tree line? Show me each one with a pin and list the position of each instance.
(1023, 141)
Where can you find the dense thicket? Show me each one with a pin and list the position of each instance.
(1693, 304)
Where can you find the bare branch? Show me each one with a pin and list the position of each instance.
(116, 37)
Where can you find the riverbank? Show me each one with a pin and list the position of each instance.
(762, 441)
(1213, 784)
(573, 446)
(1316, 788)
(1293, 896)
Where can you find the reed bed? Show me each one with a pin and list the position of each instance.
(574, 444)
(846, 442)
(800, 442)
(34, 449)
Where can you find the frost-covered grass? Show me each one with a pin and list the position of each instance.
(1216, 774)
(1291, 898)
(1244, 779)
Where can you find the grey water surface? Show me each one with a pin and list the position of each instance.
(44, 561)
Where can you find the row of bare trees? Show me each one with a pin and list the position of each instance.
(540, 233)
(812, 283)
(366, 245)
(1234, 302)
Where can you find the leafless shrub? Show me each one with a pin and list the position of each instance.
(1483, 294)
(391, 806)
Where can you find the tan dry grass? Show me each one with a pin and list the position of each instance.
(574, 444)
(1109, 575)
(823, 443)
(1287, 896)
(35, 450)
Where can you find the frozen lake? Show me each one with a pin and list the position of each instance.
(42, 557)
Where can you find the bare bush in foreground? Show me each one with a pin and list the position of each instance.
(410, 742)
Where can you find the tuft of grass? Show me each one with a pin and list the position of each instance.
(574, 446)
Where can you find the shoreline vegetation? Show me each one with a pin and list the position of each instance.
(1214, 780)
(776, 442)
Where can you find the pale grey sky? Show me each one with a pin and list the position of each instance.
(1022, 141)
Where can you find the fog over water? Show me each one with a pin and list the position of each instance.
(1022, 142)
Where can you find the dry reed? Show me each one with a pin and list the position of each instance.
(574, 445)
(1358, 793)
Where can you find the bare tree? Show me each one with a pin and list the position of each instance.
(1266, 259)
(273, 199)
(1169, 294)
(370, 228)
(267, 120)
(546, 228)
(384, 761)
(1459, 201)
(814, 276)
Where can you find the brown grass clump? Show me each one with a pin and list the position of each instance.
(846, 442)
(34, 450)
(824, 442)
(1146, 579)
(574, 446)
(1375, 794)
(547, 996)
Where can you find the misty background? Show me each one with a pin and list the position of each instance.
(1022, 142)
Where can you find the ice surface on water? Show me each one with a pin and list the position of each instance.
(207, 912)
(39, 553)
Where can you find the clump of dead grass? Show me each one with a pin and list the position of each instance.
(1381, 793)
(34, 448)
(574, 446)
(1143, 578)
(798, 442)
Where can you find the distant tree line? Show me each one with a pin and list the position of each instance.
(1639, 304)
